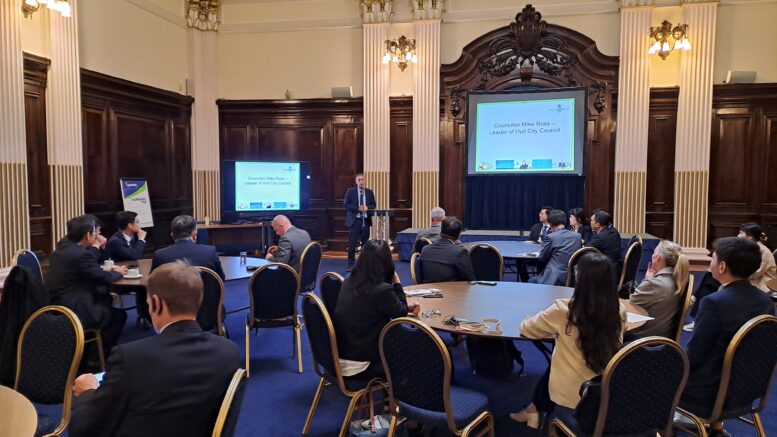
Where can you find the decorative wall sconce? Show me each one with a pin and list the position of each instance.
(400, 51)
(662, 36)
(203, 14)
(29, 7)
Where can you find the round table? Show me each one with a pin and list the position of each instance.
(510, 302)
(511, 249)
(233, 269)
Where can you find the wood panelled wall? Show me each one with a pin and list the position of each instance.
(39, 189)
(743, 160)
(328, 134)
(133, 130)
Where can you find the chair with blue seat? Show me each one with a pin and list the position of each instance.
(748, 370)
(27, 258)
(420, 243)
(211, 313)
(326, 361)
(309, 262)
(418, 367)
(226, 420)
(415, 269)
(329, 286)
(50, 347)
(637, 396)
(487, 262)
(273, 291)
(630, 265)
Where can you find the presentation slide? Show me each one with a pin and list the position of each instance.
(526, 133)
(267, 186)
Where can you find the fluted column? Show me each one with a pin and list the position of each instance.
(426, 110)
(377, 152)
(63, 124)
(633, 116)
(14, 214)
(692, 154)
(205, 129)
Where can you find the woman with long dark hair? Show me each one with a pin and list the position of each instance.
(369, 298)
(588, 329)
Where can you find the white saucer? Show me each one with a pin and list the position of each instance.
(140, 275)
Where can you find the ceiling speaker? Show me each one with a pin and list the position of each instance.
(740, 77)
(342, 92)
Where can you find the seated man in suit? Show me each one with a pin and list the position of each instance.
(433, 231)
(720, 316)
(606, 238)
(445, 260)
(290, 246)
(169, 384)
(184, 232)
(129, 242)
(76, 280)
(557, 248)
(539, 230)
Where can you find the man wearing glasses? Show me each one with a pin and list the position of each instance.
(129, 242)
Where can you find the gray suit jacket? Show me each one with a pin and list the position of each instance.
(290, 247)
(658, 296)
(432, 233)
(554, 256)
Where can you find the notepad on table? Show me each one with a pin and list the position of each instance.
(421, 292)
(636, 318)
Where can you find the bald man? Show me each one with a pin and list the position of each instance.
(291, 243)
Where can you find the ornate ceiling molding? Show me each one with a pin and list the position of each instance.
(427, 9)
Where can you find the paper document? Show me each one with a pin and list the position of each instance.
(421, 292)
(635, 318)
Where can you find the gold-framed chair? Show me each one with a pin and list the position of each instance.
(309, 262)
(487, 262)
(686, 296)
(50, 348)
(572, 265)
(420, 243)
(273, 291)
(329, 286)
(19, 418)
(27, 258)
(748, 371)
(326, 361)
(650, 372)
(226, 421)
(415, 268)
(418, 367)
(94, 336)
(631, 262)
(211, 313)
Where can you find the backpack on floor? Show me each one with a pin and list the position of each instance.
(492, 357)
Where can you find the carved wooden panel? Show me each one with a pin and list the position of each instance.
(401, 162)
(770, 160)
(133, 130)
(662, 131)
(730, 163)
(38, 186)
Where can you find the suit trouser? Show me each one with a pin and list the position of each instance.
(356, 233)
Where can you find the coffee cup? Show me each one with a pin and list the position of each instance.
(133, 272)
(108, 265)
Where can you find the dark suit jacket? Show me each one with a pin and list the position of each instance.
(553, 261)
(720, 316)
(535, 231)
(445, 261)
(76, 280)
(585, 232)
(290, 247)
(351, 205)
(359, 319)
(608, 241)
(171, 384)
(200, 255)
(119, 249)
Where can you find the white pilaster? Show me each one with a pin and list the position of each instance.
(633, 116)
(14, 214)
(377, 143)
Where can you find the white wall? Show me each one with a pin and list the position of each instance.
(746, 39)
(35, 34)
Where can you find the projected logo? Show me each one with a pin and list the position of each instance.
(559, 109)
(289, 169)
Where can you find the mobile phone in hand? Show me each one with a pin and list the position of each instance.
(99, 377)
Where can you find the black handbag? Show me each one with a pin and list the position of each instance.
(587, 410)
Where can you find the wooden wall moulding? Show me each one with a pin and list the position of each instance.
(134, 130)
(38, 187)
(530, 53)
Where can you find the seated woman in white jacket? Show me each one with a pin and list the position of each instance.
(768, 269)
(658, 293)
(588, 329)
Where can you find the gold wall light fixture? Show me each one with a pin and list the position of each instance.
(668, 38)
(400, 52)
(203, 14)
(29, 7)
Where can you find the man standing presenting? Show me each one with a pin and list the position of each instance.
(291, 244)
(358, 201)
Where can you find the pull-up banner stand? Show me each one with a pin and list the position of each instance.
(134, 193)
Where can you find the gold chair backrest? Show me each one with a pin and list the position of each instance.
(220, 313)
(686, 296)
(495, 250)
(234, 384)
(573, 263)
(413, 260)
